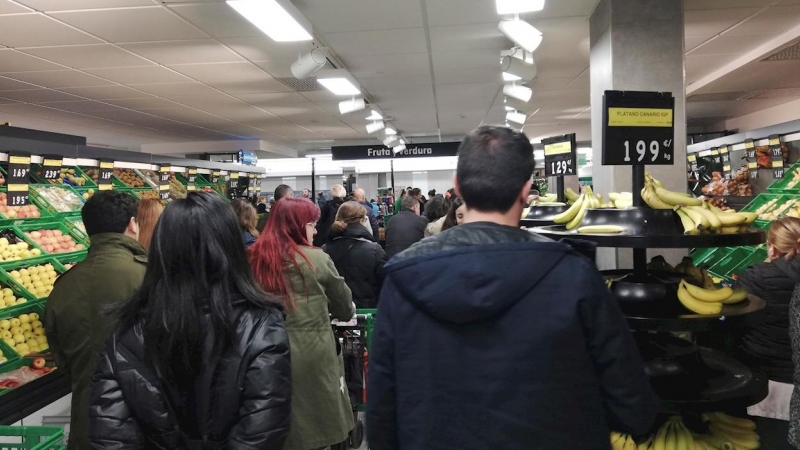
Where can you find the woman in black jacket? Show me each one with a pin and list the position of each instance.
(200, 358)
(357, 258)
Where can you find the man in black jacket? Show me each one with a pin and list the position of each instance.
(491, 336)
(406, 228)
(327, 214)
(361, 197)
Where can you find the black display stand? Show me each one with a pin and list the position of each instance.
(33, 396)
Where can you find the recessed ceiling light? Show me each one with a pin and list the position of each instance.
(518, 6)
(338, 81)
(518, 92)
(521, 33)
(278, 19)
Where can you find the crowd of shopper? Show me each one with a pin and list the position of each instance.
(216, 333)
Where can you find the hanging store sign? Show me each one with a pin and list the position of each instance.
(19, 170)
(560, 155)
(638, 128)
(51, 167)
(432, 150)
(191, 179)
(163, 182)
(104, 175)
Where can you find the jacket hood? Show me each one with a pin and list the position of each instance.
(353, 231)
(475, 282)
(790, 267)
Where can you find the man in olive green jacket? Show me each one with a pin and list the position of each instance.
(75, 320)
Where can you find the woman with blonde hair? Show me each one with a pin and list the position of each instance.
(248, 219)
(147, 214)
(766, 346)
(356, 256)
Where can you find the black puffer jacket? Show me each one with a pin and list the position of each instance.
(327, 216)
(241, 398)
(766, 346)
(360, 261)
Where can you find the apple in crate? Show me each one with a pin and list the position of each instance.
(54, 241)
(17, 212)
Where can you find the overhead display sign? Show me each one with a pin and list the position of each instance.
(51, 167)
(560, 155)
(638, 128)
(432, 150)
(104, 175)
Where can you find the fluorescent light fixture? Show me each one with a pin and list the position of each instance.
(309, 63)
(518, 68)
(339, 82)
(521, 33)
(516, 117)
(374, 127)
(518, 92)
(352, 105)
(375, 115)
(278, 19)
(509, 77)
(390, 131)
(320, 156)
(519, 6)
(399, 149)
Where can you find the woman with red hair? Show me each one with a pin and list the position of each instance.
(286, 264)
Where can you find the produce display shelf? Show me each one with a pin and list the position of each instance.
(29, 308)
(55, 225)
(71, 258)
(542, 215)
(750, 237)
(37, 198)
(780, 184)
(72, 222)
(759, 255)
(33, 438)
(8, 280)
(762, 199)
(25, 400)
(671, 316)
(723, 267)
(37, 177)
(117, 182)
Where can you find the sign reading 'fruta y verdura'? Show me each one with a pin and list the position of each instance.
(431, 150)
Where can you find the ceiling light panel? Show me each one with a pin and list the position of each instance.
(339, 82)
(278, 19)
(518, 6)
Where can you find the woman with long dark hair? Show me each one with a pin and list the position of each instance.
(304, 277)
(200, 358)
(455, 216)
(436, 211)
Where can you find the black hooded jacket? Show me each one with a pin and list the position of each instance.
(490, 336)
(766, 346)
(360, 261)
(241, 398)
(327, 216)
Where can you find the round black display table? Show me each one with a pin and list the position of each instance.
(666, 240)
(541, 215)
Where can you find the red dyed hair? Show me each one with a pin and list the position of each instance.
(279, 243)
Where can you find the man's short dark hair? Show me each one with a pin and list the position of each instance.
(108, 212)
(408, 203)
(282, 191)
(494, 163)
(415, 192)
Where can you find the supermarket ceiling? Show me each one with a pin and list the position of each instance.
(132, 72)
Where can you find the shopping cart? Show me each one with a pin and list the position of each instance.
(355, 337)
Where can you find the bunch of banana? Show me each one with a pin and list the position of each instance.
(621, 200)
(708, 302)
(687, 267)
(621, 441)
(574, 215)
(659, 264)
(672, 435)
(601, 229)
(571, 196)
(739, 433)
(707, 282)
(548, 198)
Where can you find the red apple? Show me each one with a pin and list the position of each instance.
(38, 363)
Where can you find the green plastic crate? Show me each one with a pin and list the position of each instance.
(762, 199)
(71, 258)
(31, 245)
(699, 255)
(36, 174)
(758, 255)
(202, 181)
(74, 224)
(779, 186)
(725, 265)
(7, 279)
(117, 182)
(11, 357)
(42, 203)
(31, 438)
(715, 256)
(33, 308)
(60, 226)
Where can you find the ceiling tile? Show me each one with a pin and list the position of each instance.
(217, 19)
(719, 4)
(733, 44)
(484, 75)
(131, 25)
(88, 56)
(691, 42)
(274, 99)
(16, 31)
(187, 115)
(143, 103)
(468, 37)
(83, 106)
(466, 59)
(549, 84)
(713, 21)
(7, 101)
(170, 90)
(14, 61)
(223, 72)
(460, 94)
(381, 64)
(401, 78)
(200, 51)
(402, 96)
(453, 12)
(106, 92)
(354, 15)
(776, 19)
(262, 48)
(758, 76)
(39, 96)
(135, 75)
(387, 42)
(7, 7)
(279, 69)
(66, 5)
(60, 79)
(698, 66)
(251, 87)
(208, 102)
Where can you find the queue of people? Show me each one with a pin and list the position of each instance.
(178, 333)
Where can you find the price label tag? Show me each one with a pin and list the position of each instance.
(560, 156)
(215, 176)
(692, 162)
(750, 148)
(191, 179)
(104, 175)
(51, 167)
(716, 158)
(752, 168)
(777, 168)
(19, 169)
(638, 128)
(163, 181)
(233, 180)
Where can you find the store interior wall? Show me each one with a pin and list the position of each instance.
(786, 112)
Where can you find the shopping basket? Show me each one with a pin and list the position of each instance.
(31, 438)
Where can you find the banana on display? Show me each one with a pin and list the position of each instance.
(726, 433)
(705, 301)
(601, 229)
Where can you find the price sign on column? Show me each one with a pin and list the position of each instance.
(19, 169)
(560, 156)
(104, 175)
(638, 128)
(776, 153)
(51, 167)
(191, 179)
(752, 161)
(163, 182)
